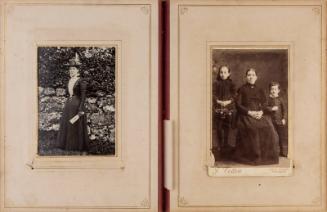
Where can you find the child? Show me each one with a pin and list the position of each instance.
(224, 108)
(278, 113)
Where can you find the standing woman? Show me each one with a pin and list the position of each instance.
(72, 135)
(257, 140)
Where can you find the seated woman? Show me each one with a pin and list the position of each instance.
(257, 139)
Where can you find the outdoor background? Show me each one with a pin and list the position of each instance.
(98, 69)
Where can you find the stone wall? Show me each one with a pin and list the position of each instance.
(100, 112)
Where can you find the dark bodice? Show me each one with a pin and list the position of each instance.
(79, 90)
(251, 98)
(224, 90)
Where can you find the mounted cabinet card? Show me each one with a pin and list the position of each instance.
(247, 85)
(79, 101)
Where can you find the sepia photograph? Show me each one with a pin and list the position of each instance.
(76, 100)
(250, 107)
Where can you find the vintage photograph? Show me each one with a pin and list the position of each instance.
(76, 100)
(250, 107)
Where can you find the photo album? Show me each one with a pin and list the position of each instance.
(163, 105)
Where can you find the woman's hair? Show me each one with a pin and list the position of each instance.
(250, 69)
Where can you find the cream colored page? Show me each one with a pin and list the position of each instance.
(197, 25)
(134, 27)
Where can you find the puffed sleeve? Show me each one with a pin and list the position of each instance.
(83, 86)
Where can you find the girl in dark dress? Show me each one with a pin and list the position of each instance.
(73, 136)
(224, 108)
(258, 140)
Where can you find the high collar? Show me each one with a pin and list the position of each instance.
(74, 78)
(221, 80)
(250, 85)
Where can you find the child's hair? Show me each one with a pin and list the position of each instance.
(250, 69)
(222, 66)
(273, 83)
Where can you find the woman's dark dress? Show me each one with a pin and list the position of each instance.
(258, 140)
(74, 137)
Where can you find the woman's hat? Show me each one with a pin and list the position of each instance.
(74, 62)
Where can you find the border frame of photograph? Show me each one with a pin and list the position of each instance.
(90, 161)
(253, 171)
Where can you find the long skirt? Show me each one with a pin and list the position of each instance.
(257, 142)
(73, 137)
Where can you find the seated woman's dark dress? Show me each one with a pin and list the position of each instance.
(257, 139)
(74, 137)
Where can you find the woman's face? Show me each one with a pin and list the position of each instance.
(251, 77)
(73, 72)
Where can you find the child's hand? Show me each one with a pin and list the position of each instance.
(224, 103)
(227, 102)
(274, 108)
(283, 121)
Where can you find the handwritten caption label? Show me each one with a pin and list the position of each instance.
(248, 171)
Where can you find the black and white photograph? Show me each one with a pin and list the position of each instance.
(250, 107)
(76, 100)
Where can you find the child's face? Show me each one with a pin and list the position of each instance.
(251, 77)
(224, 73)
(274, 90)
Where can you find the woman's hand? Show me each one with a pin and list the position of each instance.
(251, 113)
(256, 114)
(259, 114)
